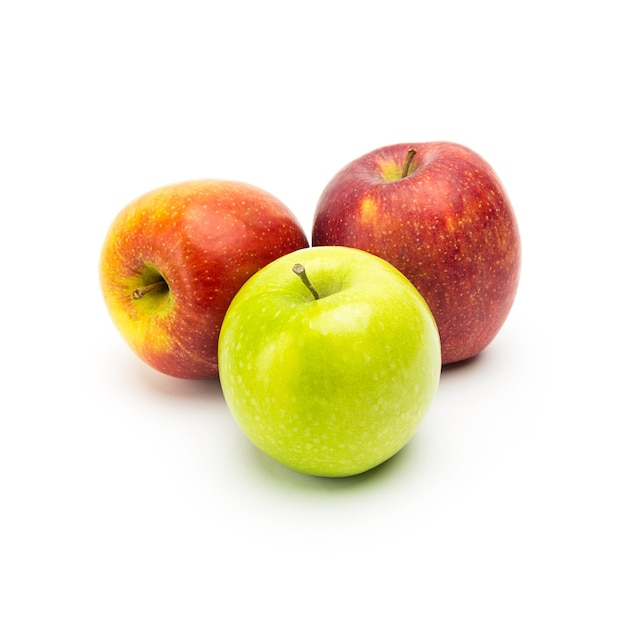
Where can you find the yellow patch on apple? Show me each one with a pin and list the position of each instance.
(369, 210)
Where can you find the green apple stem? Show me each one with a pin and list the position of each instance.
(138, 294)
(407, 162)
(300, 271)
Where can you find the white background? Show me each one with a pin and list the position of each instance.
(128, 497)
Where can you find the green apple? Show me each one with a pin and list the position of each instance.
(329, 360)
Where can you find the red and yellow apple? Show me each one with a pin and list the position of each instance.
(439, 213)
(174, 258)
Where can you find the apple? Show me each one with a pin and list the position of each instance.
(438, 212)
(329, 360)
(174, 258)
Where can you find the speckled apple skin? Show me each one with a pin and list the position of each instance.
(206, 238)
(334, 386)
(448, 226)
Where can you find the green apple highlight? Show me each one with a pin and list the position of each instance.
(329, 359)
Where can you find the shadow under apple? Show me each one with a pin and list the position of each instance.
(273, 471)
(178, 389)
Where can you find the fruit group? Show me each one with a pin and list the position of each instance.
(438, 212)
(332, 378)
(174, 258)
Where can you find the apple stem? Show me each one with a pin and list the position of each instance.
(300, 271)
(407, 163)
(138, 294)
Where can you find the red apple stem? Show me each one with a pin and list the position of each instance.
(138, 294)
(407, 162)
(300, 271)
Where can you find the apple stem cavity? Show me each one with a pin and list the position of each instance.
(138, 294)
(299, 270)
(407, 162)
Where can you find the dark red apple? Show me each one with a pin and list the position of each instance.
(439, 213)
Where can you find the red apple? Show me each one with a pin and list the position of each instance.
(174, 258)
(438, 212)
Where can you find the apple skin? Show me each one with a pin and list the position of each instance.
(331, 386)
(448, 226)
(205, 238)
